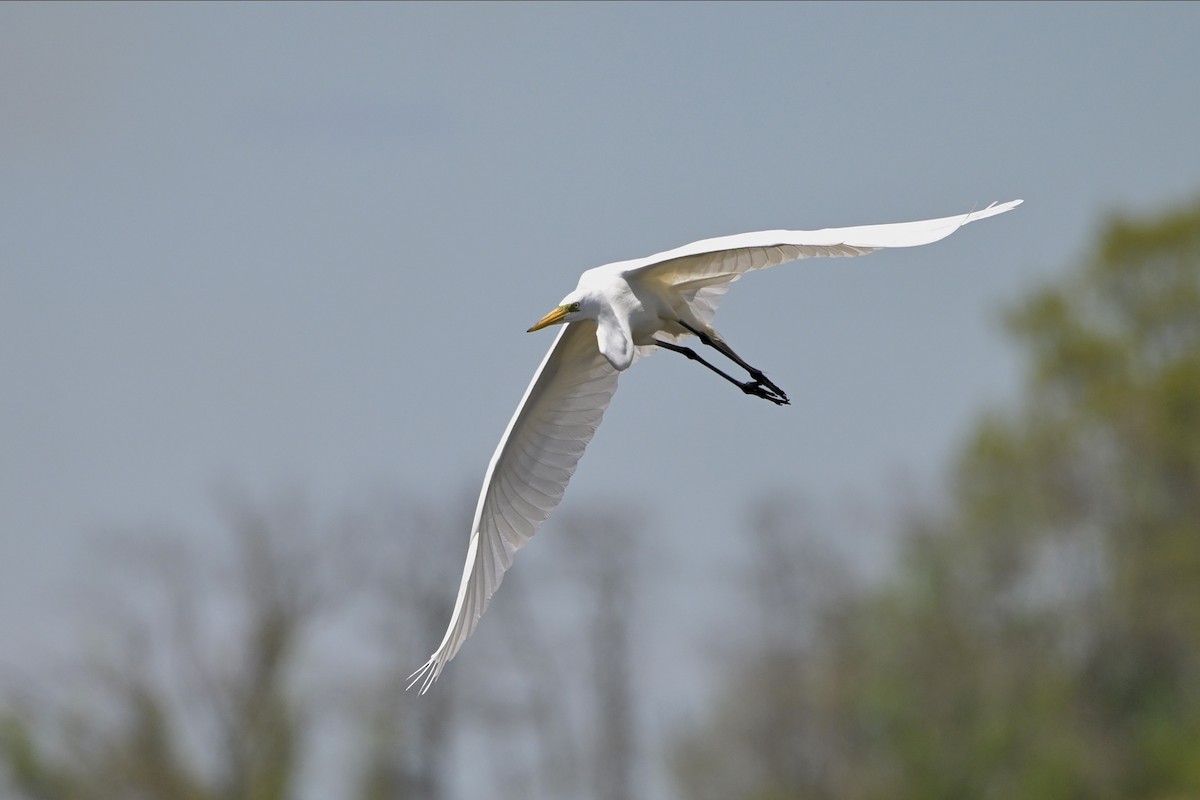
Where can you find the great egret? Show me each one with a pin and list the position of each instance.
(617, 313)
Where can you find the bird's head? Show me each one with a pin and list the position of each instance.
(569, 310)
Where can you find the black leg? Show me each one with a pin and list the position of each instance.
(720, 346)
(754, 387)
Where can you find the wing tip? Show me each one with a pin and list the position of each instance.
(426, 674)
(992, 210)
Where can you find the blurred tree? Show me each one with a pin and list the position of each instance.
(277, 671)
(208, 685)
(126, 733)
(606, 553)
(413, 552)
(1041, 635)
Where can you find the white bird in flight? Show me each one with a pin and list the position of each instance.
(617, 313)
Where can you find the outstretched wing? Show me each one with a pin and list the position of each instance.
(703, 270)
(528, 474)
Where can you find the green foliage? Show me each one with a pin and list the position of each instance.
(1041, 636)
(136, 758)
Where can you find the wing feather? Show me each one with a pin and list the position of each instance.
(528, 474)
(702, 271)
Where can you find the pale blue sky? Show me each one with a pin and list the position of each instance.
(299, 245)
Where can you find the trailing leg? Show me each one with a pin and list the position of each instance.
(718, 344)
(754, 387)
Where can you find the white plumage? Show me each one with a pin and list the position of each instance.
(617, 312)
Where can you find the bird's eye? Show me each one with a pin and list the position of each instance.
(573, 308)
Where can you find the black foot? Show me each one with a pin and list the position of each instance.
(763, 380)
(758, 390)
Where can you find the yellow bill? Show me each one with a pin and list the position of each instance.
(553, 318)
